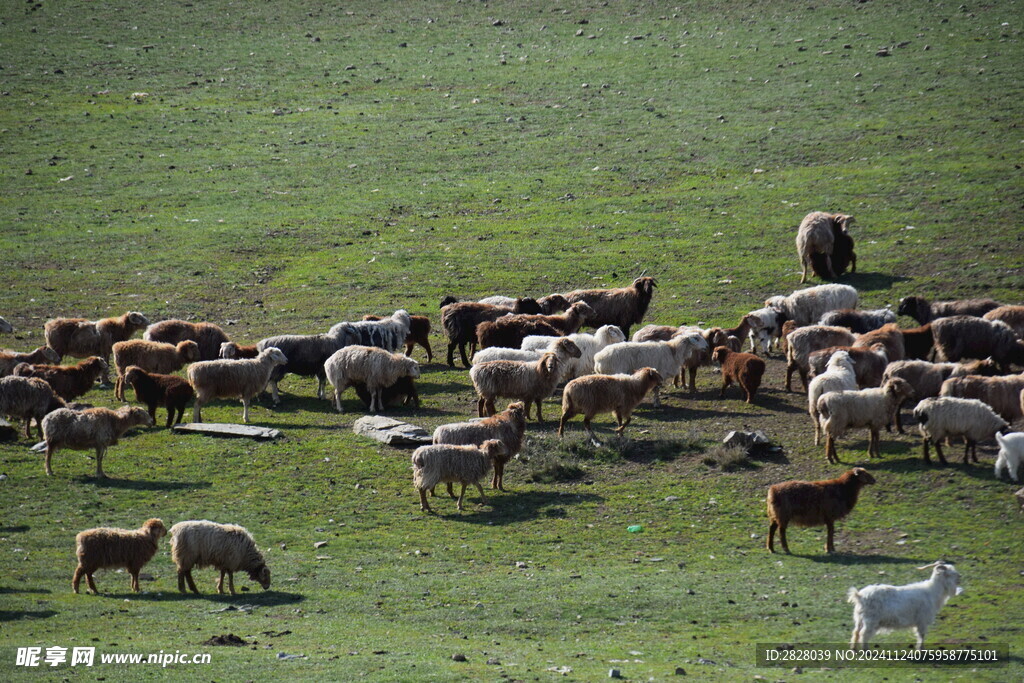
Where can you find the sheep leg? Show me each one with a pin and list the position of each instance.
(170, 416)
(828, 266)
(790, 367)
(135, 579)
(483, 498)
(725, 383)
(967, 452)
(337, 399)
(899, 420)
(92, 584)
(99, 462)
(803, 377)
(566, 416)
(220, 583)
(196, 414)
(873, 444)
(817, 429)
(481, 402)
(803, 273)
(623, 423)
(498, 480)
(590, 431)
(424, 505)
(830, 449)
(693, 380)
(782, 539)
(749, 393)
(245, 410)
(321, 385)
(938, 451)
(451, 355)
(46, 463)
(28, 427)
(855, 636)
(920, 630)
(771, 536)
(231, 580)
(462, 352)
(540, 418)
(275, 396)
(657, 396)
(829, 545)
(462, 494)
(77, 578)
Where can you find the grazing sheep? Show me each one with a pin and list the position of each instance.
(401, 393)
(509, 331)
(207, 336)
(839, 375)
(28, 397)
(528, 381)
(813, 503)
(802, 342)
(1002, 394)
(889, 335)
(233, 351)
(243, 379)
(384, 333)
(881, 607)
(918, 342)
(927, 378)
(964, 336)
(765, 328)
(668, 358)
(816, 237)
(868, 364)
(92, 428)
(858, 322)
(465, 465)
(419, 333)
(227, 547)
(371, 365)
(563, 347)
(947, 416)
(82, 338)
(1011, 315)
(923, 312)
(1011, 454)
(623, 307)
(68, 382)
(108, 548)
(5, 327)
(615, 394)
(806, 306)
(306, 354)
(460, 320)
(156, 390)
(152, 357)
(507, 427)
(550, 304)
(864, 408)
(745, 369)
(10, 359)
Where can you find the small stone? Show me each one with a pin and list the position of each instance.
(494, 661)
(457, 657)
(319, 544)
(680, 671)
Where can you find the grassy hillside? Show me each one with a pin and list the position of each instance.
(280, 166)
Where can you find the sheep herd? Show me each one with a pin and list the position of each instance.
(859, 369)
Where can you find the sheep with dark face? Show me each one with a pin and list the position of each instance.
(156, 390)
(858, 322)
(964, 336)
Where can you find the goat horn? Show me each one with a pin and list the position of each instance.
(933, 564)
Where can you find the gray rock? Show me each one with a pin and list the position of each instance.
(614, 673)
(227, 429)
(391, 432)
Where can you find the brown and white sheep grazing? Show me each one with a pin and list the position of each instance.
(151, 356)
(28, 397)
(68, 381)
(918, 342)
(207, 336)
(865, 408)
(243, 379)
(371, 365)
(109, 548)
(82, 338)
(615, 394)
(923, 312)
(507, 427)
(927, 378)
(806, 306)
(889, 335)
(227, 547)
(1002, 394)
(624, 307)
(745, 369)
(233, 351)
(817, 236)
(964, 336)
(419, 333)
(92, 428)
(460, 320)
(156, 390)
(813, 503)
(10, 359)
(858, 322)
(530, 382)
(437, 463)
(1011, 315)
(868, 364)
(803, 341)
(948, 416)
(509, 331)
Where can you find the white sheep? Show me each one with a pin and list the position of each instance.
(227, 547)
(1011, 454)
(864, 408)
(109, 548)
(881, 607)
(1002, 394)
(387, 333)
(926, 378)
(376, 367)
(442, 463)
(243, 379)
(806, 306)
(839, 375)
(859, 322)
(947, 416)
(93, 428)
(528, 381)
(616, 394)
(668, 357)
(563, 347)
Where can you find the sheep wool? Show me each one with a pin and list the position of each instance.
(465, 465)
(28, 398)
(227, 547)
(93, 428)
(507, 427)
(207, 336)
(242, 379)
(108, 548)
(375, 367)
(813, 503)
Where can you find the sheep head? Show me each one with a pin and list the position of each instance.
(136, 319)
(568, 347)
(912, 306)
(135, 416)
(261, 575)
(861, 476)
(49, 354)
(947, 576)
(527, 305)
(517, 411)
(412, 368)
(649, 376)
(553, 303)
(720, 354)
(898, 389)
(448, 300)
(843, 220)
(494, 449)
(275, 354)
(582, 309)
(155, 528)
(841, 358)
(188, 350)
(645, 285)
(548, 364)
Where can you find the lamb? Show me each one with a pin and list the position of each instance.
(868, 364)
(82, 338)
(81, 430)
(227, 547)
(765, 328)
(509, 331)
(233, 351)
(28, 397)
(563, 347)
(233, 379)
(419, 333)
(1011, 454)
(1002, 394)
(451, 463)
(881, 607)
(964, 336)
(817, 236)
(68, 382)
(813, 503)
(668, 358)
(858, 322)
(870, 408)
(923, 312)
(839, 375)
(386, 333)
(402, 392)
(1011, 315)
(918, 342)
(306, 354)
(156, 390)
(529, 381)
(507, 427)
(5, 327)
(151, 356)
(889, 335)
(10, 359)
(623, 307)
(806, 306)
(460, 320)
(947, 416)
(927, 378)
(374, 366)
(745, 369)
(207, 336)
(108, 548)
(804, 341)
(615, 394)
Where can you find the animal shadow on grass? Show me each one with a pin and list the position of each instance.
(256, 597)
(870, 281)
(771, 401)
(667, 413)
(7, 591)
(142, 484)
(21, 528)
(510, 507)
(847, 558)
(16, 615)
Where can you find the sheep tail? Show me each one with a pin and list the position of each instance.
(853, 596)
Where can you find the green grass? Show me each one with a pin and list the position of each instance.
(264, 185)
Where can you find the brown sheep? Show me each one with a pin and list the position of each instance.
(509, 331)
(813, 503)
(745, 369)
(1011, 315)
(156, 390)
(419, 333)
(868, 364)
(233, 351)
(625, 306)
(28, 397)
(68, 382)
(615, 394)
(81, 338)
(152, 357)
(208, 336)
(1002, 394)
(10, 359)
(924, 312)
(889, 335)
(106, 548)
(918, 342)
(460, 320)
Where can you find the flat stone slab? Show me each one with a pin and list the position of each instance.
(228, 429)
(391, 432)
